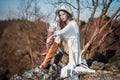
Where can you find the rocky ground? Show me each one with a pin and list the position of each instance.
(111, 74)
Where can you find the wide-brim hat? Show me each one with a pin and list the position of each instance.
(64, 8)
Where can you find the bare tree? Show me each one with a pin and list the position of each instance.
(30, 10)
(95, 5)
(24, 8)
(78, 10)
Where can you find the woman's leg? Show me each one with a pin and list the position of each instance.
(49, 55)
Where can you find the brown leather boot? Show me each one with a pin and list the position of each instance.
(49, 55)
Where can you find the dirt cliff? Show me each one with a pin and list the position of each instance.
(21, 42)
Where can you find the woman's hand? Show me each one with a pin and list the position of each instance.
(57, 39)
(49, 39)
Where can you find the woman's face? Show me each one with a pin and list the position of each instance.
(63, 16)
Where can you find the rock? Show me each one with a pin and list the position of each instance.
(97, 65)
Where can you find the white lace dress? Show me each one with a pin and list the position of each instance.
(71, 34)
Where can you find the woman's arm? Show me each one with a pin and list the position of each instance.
(63, 31)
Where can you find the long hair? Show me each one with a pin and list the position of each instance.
(63, 24)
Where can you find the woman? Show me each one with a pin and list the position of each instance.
(70, 33)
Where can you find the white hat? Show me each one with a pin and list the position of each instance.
(64, 8)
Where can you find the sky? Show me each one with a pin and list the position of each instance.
(7, 6)
(10, 6)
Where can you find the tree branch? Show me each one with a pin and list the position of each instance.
(97, 32)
